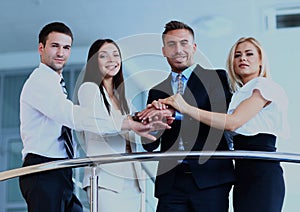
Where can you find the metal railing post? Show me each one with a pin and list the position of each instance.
(94, 190)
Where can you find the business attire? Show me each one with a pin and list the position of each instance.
(120, 184)
(193, 184)
(260, 184)
(44, 110)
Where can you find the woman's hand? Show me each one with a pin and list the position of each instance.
(177, 102)
(145, 129)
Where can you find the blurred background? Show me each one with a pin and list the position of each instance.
(137, 25)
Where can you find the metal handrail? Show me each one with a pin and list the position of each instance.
(146, 156)
(94, 161)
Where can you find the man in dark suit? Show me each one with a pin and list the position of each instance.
(191, 184)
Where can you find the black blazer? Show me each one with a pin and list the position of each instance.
(209, 90)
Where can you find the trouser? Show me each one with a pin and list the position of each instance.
(185, 195)
(48, 191)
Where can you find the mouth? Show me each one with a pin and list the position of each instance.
(179, 58)
(110, 67)
(243, 65)
(59, 60)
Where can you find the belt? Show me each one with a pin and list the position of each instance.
(30, 156)
(183, 168)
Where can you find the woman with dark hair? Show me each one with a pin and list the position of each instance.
(103, 90)
(115, 79)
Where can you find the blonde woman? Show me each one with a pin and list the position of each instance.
(257, 115)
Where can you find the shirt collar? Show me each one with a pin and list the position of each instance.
(186, 73)
(48, 69)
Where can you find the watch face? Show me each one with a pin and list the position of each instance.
(135, 117)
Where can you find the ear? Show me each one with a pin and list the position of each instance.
(163, 51)
(194, 47)
(40, 48)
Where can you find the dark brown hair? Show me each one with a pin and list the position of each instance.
(92, 74)
(54, 27)
(173, 25)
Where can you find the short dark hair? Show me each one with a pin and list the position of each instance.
(54, 27)
(173, 25)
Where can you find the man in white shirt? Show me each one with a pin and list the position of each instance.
(44, 110)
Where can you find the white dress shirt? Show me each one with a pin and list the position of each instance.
(44, 109)
(271, 119)
(174, 83)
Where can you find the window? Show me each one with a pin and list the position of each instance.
(282, 18)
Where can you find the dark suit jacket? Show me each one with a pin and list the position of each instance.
(209, 90)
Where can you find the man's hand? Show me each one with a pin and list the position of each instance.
(157, 111)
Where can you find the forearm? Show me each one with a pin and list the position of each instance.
(96, 122)
(126, 123)
(216, 120)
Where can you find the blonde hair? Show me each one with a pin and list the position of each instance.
(235, 80)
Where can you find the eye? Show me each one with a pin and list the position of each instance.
(67, 47)
(237, 55)
(184, 43)
(102, 56)
(171, 44)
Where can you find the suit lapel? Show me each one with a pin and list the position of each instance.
(195, 92)
(168, 88)
(195, 77)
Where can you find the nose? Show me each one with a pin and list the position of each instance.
(110, 58)
(243, 58)
(178, 47)
(60, 52)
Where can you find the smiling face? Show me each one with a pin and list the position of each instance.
(56, 51)
(109, 60)
(179, 49)
(247, 61)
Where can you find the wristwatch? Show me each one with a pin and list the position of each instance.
(135, 117)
